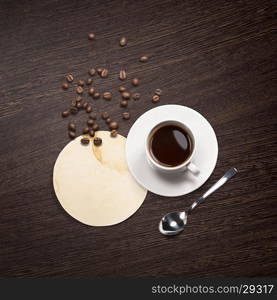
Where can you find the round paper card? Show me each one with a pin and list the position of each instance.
(93, 183)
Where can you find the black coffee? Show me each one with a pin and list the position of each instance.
(170, 145)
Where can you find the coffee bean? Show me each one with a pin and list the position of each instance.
(81, 82)
(79, 90)
(158, 92)
(113, 125)
(85, 130)
(72, 134)
(123, 103)
(73, 103)
(126, 116)
(89, 81)
(90, 122)
(104, 73)
(92, 133)
(122, 75)
(91, 36)
(99, 70)
(136, 96)
(65, 86)
(104, 115)
(97, 141)
(155, 98)
(95, 126)
(65, 114)
(79, 105)
(84, 141)
(91, 71)
(126, 95)
(135, 82)
(107, 95)
(78, 98)
(143, 58)
(91, 91)
(69, 77)
(85, 105)
(108, 121)
(123, 41)
(122, 89)
(113, 133)
(89, 109)
(73, 110)
(93, 116)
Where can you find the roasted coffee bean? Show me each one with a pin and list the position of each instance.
(65, 114)
(81, 82)
(122, 89)
(89, 81)
(99, 70)
(95, 126)
(79, 90)
(123, 41)
(78, 98)
(104, 73)
(158, 92)
(96, 95)
(122, 75)
(65, 86)
(85, 130)
(90, 122)
(107, 95)
(104, 115)
(91, 71)
(126, 115)
(73, 110)
(84, 141)
(135, 82)
(108, 121)
(92, 133)
(72, 134)
(89, 109)
(79, 105)
(97, 141)
(113, 125)
(143, 58)
(91, 36)
(73, 103)
(136, 96)
(125, 95)
(123, 103)
(69, 77)
(93, 116)
(91, 91)
(155, 98)
(85, 105)
(113, 133)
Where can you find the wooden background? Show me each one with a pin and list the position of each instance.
(217, 57)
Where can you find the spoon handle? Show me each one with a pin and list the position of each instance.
(228, 175)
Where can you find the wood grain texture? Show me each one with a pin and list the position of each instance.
(218, 57)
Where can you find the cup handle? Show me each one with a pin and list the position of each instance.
(193, 169)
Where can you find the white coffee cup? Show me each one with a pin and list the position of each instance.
(187, 165)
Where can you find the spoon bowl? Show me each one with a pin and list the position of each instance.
(173, 223)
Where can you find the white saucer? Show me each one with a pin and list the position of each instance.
(205, 153)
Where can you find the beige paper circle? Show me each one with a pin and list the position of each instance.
(93, 184)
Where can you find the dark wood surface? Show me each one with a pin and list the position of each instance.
(217, 57)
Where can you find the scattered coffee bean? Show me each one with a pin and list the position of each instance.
(65, 114)
(84, 141)
(79, 105)
(91, 91)
(126, 116)
(158, 92)
(97, 141)
(122, 89)
(96, 95)
(79, 90)
(123, 41)
(85, 130)
(85, 105)
(81, 82)
(136, 96)
(122, 75)
(126, 95)
(95, 126)
(123, 103)
(78, 98)
(65, 86)
(143, 58)
(107, 95)
(93, 116)
(104, 115)
(69, 77)
(90, 122)
(72, 134)
(135, 82)
(108, 121)
(113, 133)
(99, 70)
(91, 133)
(73, 110)
(113, 125)
(155, 98)
(73, 103)
(91, 36)
(104, 73)
(91, 71)
(89, 81)
(89, 109)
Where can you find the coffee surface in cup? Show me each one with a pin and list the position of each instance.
(170, 145)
